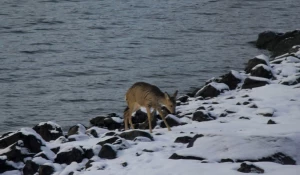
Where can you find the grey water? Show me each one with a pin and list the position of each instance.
(71, 60)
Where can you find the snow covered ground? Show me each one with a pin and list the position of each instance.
(241, 135)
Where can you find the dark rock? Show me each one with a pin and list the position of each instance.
(46, 170)
(109, 140)
(5, 166)
(250, 168)
(209, 91)
(245, 96)
(201, 116)
(254, 62)
(250, 83)
(55, 150)
(278, 43)
(139, 117)
(238, 103)
(230, 80)
(88, 153)
(253, 106)
(171, 122)
(30, 141)
(246, 103)
(266, 40)
(131, 135)
(89, 164)
(148, 151)
(260, 71)
(191, 143)
(124, 164)
(30, 168)
(223, 114)
(92, 132)
(77, 129)
(67, 157)
(112, 133)
(267, 113)
(107, 122)
(226, 160)
(277, 158)
(17, 152)
(229, 98)
(245, 118)
(183, 139)
(107, 152)
(270, 122)
(176, 156)
(201, 108)
(183, 99)
(48, 131)
(145, 124)
(229, 111)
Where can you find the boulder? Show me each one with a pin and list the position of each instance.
(30, 139)
(77, 129)
(279, 157)
(213, 89)
(191, 143)
(183, 99)
(139, 117)
(176, 157)
(46, 169)
(5, 166)
(111, 122)
(132, 134)
(250, 168)
(172, 121)
(183, 139)
(261, 70)
(107, 152)
(266, 40)
(271, 122)
(267, 112)
(278, 43)
(69, 155)
(16, 152)
(30, 168)
(232, 79)
(108, 140)
(48, 130)
(260, 59)
(252, 82)
(201, 116)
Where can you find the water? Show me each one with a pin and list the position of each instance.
(71, 60)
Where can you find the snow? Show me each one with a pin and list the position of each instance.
(237, 74)
(261, 65)
(224, 138)
(263, 57)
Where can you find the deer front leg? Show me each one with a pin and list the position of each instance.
(164, 119)
(126, 117)
(149, 118)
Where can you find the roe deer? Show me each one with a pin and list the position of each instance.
(142, 94)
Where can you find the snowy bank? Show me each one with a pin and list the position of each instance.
(242, 122)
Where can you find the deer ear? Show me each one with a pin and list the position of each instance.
(167, 95)
(175, 94)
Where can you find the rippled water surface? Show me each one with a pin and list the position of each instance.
(71, 60)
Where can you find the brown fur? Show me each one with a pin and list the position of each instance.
(142, 94)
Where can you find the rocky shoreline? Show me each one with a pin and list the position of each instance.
(243, 121)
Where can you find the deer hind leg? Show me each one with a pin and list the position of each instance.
(164, 119)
